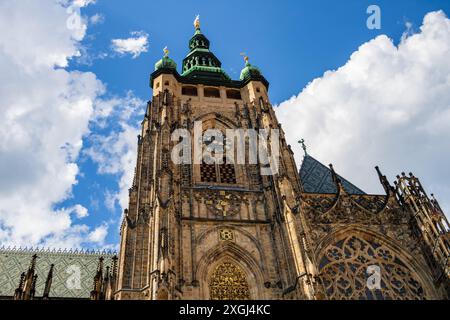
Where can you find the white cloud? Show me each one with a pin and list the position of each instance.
(388, 105)
(115, 151)
(45, 114)
(134, 45)
(80, 211)
(83, 3)
(99, 234)
(97, 19)
(110, 200)
(40, 41)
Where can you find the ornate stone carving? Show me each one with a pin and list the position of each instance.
(334, 209)
(222, 203)
(226, 235)
(165, 188)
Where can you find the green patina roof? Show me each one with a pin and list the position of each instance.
(201, 66)
(165, 62)
(250, 72)
(15, 261)
(200, 61)
(206, 69)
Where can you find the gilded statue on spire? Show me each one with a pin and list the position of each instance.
(197, 22)
(245, 57)
(166, 51)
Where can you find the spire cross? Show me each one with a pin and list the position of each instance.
(302, 142)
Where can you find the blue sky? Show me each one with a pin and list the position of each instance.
(292, 42)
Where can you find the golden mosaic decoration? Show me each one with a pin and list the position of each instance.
(228, 283)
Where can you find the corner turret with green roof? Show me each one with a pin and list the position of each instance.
(165, 62)
(251, 72)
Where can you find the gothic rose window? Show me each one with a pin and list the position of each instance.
(228, 283)
(345, 272)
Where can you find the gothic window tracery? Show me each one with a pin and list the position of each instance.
(217, 172)
(221, 173)
(228, 282)
(344, 271)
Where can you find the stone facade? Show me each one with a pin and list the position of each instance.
(171, 238)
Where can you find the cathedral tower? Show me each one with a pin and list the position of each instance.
(207, 229)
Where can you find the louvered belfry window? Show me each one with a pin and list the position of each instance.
(221, 173)
(217, 173)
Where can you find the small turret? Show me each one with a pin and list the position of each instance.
(18, 293)
(96, 293)
(27, 284)
(431, 223)
(252, 73)
(165, 62)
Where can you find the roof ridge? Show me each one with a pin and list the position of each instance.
(53, 250)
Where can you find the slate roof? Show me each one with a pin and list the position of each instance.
(317, 178)
(15, 261)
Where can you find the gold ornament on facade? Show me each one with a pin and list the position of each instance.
(226, 235)
(228, 283)
(223, 204)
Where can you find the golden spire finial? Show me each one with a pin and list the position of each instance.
(166, 51)
(197, 22)
(245, 56)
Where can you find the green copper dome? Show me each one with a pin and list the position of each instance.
(250, 72)
(165, 63)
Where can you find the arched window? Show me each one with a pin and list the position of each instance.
(212, 93)
(228, 282)
(349, 266)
